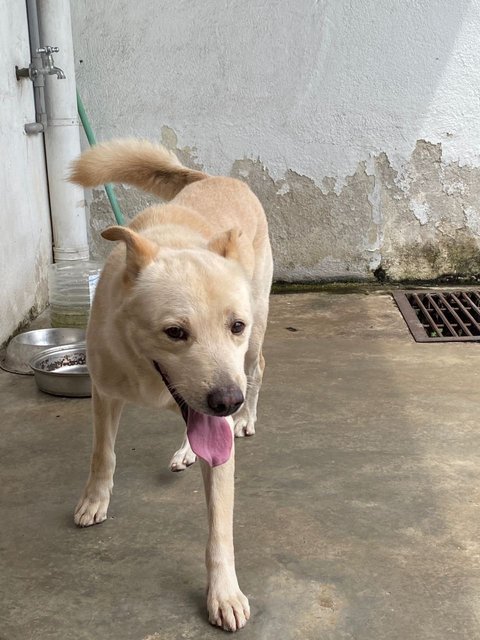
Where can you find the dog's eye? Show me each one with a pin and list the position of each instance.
(176, 333)
(238, 327)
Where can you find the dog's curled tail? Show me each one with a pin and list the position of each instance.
(140, 163)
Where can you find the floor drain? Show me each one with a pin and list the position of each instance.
(441, 316)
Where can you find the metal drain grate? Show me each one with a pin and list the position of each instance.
(441, 316)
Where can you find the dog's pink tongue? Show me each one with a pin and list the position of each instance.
(210, 437)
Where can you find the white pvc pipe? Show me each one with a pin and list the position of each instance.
(62, 135)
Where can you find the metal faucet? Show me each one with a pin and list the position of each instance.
(43, 67)
(48, 64)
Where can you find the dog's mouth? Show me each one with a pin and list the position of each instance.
(210, 436)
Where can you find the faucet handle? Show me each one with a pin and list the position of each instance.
(48, 50)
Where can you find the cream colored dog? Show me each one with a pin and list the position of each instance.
(179, 318)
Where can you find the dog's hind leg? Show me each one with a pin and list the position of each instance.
(93, 505)
(227, 606)
(246, 417)
(184, 457)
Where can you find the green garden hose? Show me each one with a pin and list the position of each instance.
(92, 140)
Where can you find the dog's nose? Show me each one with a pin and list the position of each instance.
(225, 400)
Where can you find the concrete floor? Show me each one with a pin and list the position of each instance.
(357, 502)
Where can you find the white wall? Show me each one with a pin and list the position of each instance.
(25, 237)
(355, 122)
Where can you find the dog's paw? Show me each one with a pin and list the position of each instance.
(92, 508)
(244, 427)
(230, 612)
(182, 459)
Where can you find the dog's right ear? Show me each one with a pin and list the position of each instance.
(226, 244)
(232, 245)
(140, 251)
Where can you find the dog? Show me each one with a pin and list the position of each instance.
(178, 322)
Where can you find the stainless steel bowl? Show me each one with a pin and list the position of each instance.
(63, 371)
(22, 348)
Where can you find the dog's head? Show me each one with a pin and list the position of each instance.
(188, 312)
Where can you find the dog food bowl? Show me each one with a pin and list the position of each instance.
(22, 348)
(62, 371)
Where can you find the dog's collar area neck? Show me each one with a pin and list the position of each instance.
(182, 405)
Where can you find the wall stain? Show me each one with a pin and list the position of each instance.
(420, 225)
(445, 244)
(316, 234)
(100, 215)
(28, 317)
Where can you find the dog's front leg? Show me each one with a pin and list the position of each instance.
(92, 506)
(227, 606)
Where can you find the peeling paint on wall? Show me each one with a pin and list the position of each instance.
(100, 215)
(307, 222)
(417, 228)
(431, 240)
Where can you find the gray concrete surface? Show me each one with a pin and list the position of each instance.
(357, 502)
